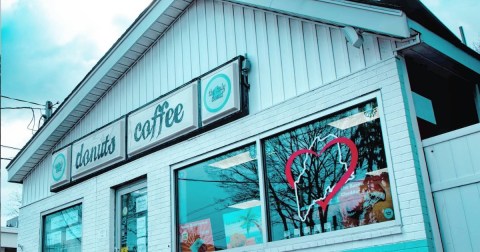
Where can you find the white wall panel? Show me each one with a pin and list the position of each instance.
(454, 172)
(289, 56)
(95, 193)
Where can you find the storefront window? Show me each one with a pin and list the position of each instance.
(132, 218)
(219, 202)
(328, 175)
(62, 230)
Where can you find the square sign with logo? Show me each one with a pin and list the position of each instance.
(60, 169)
(220, 93)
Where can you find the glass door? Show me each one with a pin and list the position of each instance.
(131, 221)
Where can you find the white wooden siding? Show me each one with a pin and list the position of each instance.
(288, 56)
(454, 170)
(97, 197)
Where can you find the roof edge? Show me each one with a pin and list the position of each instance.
(126, 41)
(342, 13)
(446, 47)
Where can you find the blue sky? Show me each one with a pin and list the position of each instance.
(48, 46)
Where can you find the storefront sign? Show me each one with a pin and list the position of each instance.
(163, 120)
(98, 150)
(220, 93)
(60, 168)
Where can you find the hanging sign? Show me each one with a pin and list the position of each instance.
(167, 118)
(60, 168)
(98, 150)
(220, 93)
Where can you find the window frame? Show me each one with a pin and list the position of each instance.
(258, 139)
(122, 190)
(251, 141)
(56, 209)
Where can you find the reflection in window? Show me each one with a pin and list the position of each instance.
(328, 175)
(219, 202)
(62, 230)
(133, 221)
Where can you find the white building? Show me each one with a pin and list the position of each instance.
(310, 125)
(8, 239)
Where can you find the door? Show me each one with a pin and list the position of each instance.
(131, 218)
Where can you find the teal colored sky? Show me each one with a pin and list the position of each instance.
(48, 46)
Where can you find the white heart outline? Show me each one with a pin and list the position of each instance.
(328, 189)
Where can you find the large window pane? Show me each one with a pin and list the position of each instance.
(219, 202)
(328, 175)
(62, 230)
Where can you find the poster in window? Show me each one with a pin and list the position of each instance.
(142, 244)
(141, 226)
(196, 236)
(73, 232)
(243, 227)
(141, 203)
(54, 238)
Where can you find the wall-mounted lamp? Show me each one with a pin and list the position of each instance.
(352, 36)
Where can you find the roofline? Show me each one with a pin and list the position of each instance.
(111, 57)
(446, 47)
(394, 22)
(77, 87)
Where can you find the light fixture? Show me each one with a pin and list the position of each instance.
(239, 159)
(352, 36)
(356, 119)
(246, 204)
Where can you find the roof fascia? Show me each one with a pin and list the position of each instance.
(87, 84)
(344, 13)
(445, 47)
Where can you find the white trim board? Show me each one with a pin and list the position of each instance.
(371, 18)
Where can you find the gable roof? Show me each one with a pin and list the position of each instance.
(155, 20)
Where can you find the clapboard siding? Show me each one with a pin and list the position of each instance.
(289, 56)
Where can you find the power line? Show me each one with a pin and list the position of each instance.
(8, 159)
(10, 147)
(21, 108)
(20, 100)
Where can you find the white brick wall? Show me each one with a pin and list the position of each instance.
(98, 197)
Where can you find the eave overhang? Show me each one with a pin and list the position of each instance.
(138, 38)
(155, 21)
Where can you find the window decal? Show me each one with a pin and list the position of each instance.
(330, 191)
(329, 174)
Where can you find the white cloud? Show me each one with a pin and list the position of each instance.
(49, 46)
(458, 13)
(68, 20)
(7, 5)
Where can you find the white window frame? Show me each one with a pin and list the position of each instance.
(54, 210)
(122, 190)
(355, 234)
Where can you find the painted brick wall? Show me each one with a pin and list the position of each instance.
(98, 197)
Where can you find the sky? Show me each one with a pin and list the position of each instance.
(48, 46)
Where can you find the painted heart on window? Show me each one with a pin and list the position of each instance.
(322, 202)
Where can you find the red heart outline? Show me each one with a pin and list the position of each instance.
(343, 180)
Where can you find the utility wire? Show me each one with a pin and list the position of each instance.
(30, 123)
(21, 108)
(9, 159)
(10, 147)
(20, 100)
